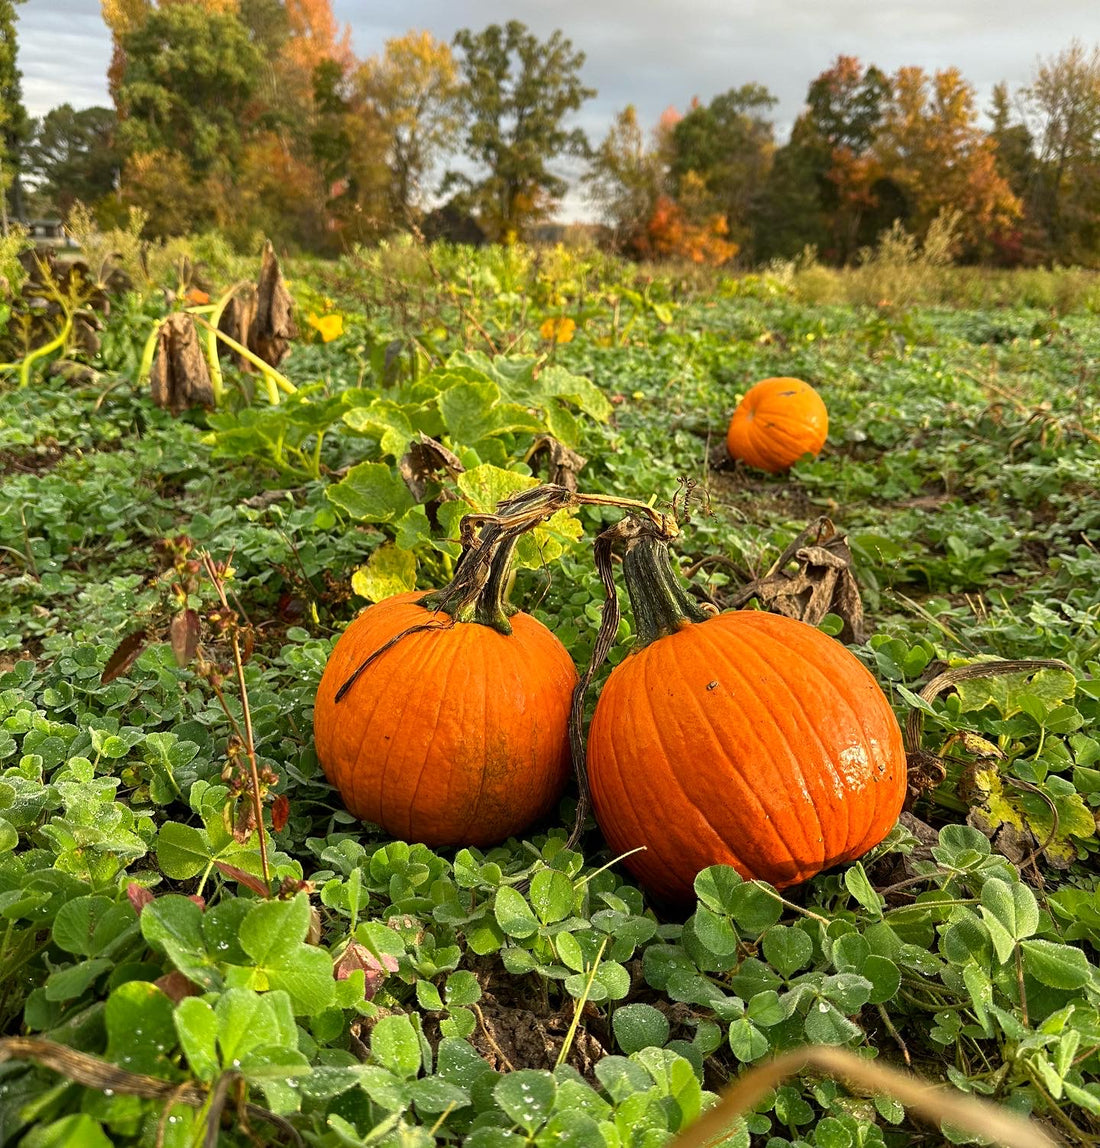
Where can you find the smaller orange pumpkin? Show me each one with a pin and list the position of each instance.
(444, 717)
(776, 423)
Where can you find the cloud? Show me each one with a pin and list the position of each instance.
(64, 49)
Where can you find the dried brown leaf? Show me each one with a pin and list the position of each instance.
(822, 584)
(424, 459)
(280, 811)
(562, 464)
(176, 986)
(235, 321)
(244, 822)
(124, 656)
(357, 956)
(139, 896)
(180, 378)
(185, 632)
(272, 325)
(246, 879)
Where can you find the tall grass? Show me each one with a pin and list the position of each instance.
(901, 272)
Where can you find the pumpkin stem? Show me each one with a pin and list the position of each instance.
(659, 602)
(479, 589)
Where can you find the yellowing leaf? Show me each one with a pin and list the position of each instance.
(485, 485)
(559, 330)
(329, 327)
(389, 570)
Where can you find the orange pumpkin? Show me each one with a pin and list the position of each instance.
(456, 730)
(744, 739)
(776, 423)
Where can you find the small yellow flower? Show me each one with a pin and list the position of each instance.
(329, 327)
(559, 330)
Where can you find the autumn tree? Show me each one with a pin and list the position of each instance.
(831, 143)
(626, 178)
(125, 16)
(229, 86)
(412, 88)
(14, 123)
(1063, 112)
(313, 37)
(931, 146)
(723, 152)
(72, 155)
(350, 149)
(516, 94)
(190, 76)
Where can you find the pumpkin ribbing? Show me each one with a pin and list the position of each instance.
(776, 423)
(745, 739)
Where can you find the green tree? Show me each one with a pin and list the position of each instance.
(789, 215)
(349, 151)
(14, 124)
(831, 142)
(516, 93)
(626, 178)
(1063, 111)
(72, 155)
(190, 77)
(1015, 155)
(727, 146)
(185, 93)
(413, 89)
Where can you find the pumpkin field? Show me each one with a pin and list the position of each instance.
(243, 904)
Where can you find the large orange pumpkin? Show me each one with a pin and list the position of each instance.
(745, 739)
(456, 732)
(776, 423)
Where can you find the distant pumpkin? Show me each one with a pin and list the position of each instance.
(776, 423)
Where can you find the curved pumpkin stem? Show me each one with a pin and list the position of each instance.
(660, 605)
(479, 589)
(658, 599)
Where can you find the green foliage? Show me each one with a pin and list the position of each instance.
(72, 156)
(14, 124)
(390, 993)
(516, 94)
(189, 73)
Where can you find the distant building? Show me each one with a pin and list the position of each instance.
(49, 233)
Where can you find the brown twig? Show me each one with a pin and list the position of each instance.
(218, 1098)
(249, 740)
(489, 1037)
(93, 1072)
(914, 723)
(933, 1102)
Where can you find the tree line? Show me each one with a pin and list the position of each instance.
(255, 116)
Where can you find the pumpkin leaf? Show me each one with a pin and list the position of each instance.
(389, 570)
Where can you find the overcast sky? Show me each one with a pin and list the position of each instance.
(652, 53)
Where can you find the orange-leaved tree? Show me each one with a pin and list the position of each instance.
(687, 228)
(931, 145)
